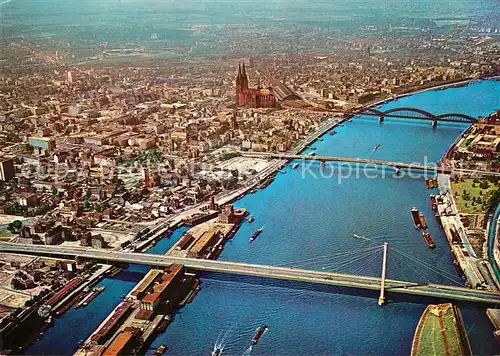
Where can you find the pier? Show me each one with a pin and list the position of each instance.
(272, 272)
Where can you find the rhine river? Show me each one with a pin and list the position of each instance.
(309, 220)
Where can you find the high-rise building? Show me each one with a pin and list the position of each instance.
(72, 76)
(6, 169)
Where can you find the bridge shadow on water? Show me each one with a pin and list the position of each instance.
(128, 275)
(391, 297)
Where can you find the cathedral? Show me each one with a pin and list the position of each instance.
(252, 97)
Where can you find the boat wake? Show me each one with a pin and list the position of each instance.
(356, 236)
(5, 2)
(220, 343)
(248, 351)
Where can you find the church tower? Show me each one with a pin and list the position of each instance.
(241, 85)
(244, 83)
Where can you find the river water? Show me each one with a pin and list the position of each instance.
(309, 219)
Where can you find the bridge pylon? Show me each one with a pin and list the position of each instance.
(381, 298)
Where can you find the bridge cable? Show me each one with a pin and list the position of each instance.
(429, 266)
(442, 273)
(336, 263)
(339, 254)
(404, 263)
(359, 258)
(343, 265)
(363, 266)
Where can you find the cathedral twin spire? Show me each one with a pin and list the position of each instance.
(242, 78)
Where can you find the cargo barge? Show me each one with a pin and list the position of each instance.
(70, 304)
(89, 297)
(259, 333)
(418, 219)
(267, 181)
(428, 239)
(162, 326)
(431, 183)
(433, 202)
(255, 234)
(114, 271)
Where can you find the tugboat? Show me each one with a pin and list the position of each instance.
(258, 334)
(256, 234)
(251, 219)
(428, 239)
(160, 350)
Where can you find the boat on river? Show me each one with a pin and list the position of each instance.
(295, 165)
(160, 350)
(217, 351)
(259, 333)
(428, 239)
(256, 234)
(418, 219)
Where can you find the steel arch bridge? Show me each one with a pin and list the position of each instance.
(412, 113)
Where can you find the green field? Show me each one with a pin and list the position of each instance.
(474, 198)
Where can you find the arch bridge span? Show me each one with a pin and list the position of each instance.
(414, 113)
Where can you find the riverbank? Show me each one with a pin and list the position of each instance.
(147, 310)
(459, 83)
(474, 271)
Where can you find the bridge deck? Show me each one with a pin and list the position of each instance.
(368, 161)
(328, 278)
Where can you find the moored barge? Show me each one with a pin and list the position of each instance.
(418, 219)
(428, 239)
(433, 202)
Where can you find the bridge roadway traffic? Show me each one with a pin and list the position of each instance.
(367, 161)
(273, 272)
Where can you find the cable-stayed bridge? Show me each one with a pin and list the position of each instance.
(381, 284)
